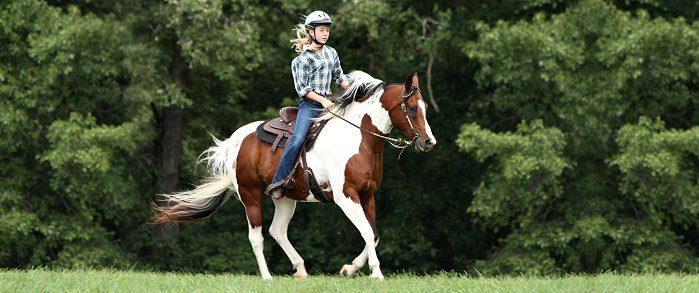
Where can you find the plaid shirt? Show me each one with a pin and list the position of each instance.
(314, 71)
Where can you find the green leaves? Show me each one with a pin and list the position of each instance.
(581, 68)
(658, 172)
(555, 166)
(526, 174)
(217, 34)
(589, 71)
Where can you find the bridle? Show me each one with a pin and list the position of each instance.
(404, 107)
(398, 143)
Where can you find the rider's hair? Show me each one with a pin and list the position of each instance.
(302, 38)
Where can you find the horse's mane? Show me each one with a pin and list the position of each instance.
(362, 86)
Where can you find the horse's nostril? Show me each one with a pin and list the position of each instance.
(428, 143)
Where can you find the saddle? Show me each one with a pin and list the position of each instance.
(278, 131)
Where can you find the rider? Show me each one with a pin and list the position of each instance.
(316, 66)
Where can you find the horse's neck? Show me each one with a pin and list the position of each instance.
(379, 116)
(355, 114)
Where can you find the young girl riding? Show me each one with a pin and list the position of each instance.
(316, 66)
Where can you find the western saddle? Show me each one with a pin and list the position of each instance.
(278, 131)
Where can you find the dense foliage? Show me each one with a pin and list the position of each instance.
(593, 192)
(568, 132)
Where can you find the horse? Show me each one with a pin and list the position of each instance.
(347, 159)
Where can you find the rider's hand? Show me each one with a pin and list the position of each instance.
(328, 105)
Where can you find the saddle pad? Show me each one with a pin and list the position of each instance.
(269, 137)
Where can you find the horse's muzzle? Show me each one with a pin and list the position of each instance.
(424, 145)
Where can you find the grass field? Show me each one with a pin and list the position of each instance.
(41, 280)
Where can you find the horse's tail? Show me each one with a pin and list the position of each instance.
(207, 197)
(195, 204)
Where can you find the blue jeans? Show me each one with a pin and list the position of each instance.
(307, 111)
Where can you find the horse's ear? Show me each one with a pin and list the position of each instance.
(410, 81)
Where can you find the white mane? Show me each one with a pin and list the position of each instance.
(360, 83)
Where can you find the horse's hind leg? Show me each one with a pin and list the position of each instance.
(283, 211)
(251, 199)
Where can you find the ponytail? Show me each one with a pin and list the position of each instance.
(302, 38)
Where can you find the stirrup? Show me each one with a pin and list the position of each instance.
(275, 185)
(277, 193)
(284, 184)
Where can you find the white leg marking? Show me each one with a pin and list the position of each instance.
(355, 213)
(349, 269)
(257, 242)
(283, 212)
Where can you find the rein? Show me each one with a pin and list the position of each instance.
(398, 143)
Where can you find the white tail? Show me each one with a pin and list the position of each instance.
(211, 187)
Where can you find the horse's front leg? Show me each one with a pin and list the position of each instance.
(349, 270)
(283, 211)
(370, 213)
(349, 202)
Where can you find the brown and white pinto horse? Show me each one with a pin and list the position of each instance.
(347, 162)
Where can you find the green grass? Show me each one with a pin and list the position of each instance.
(44, 280)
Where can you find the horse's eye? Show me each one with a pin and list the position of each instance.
(412, 109)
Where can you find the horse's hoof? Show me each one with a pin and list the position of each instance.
(298, 276)
(347, 271)
(267, 278)
(377, 276)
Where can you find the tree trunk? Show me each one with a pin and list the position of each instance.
(171, 157)
(173, 126)
(172, 120)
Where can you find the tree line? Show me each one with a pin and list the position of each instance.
(568, 138)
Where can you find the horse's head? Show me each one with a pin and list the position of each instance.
(408, 112)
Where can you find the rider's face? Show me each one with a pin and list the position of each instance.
(321, 33)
